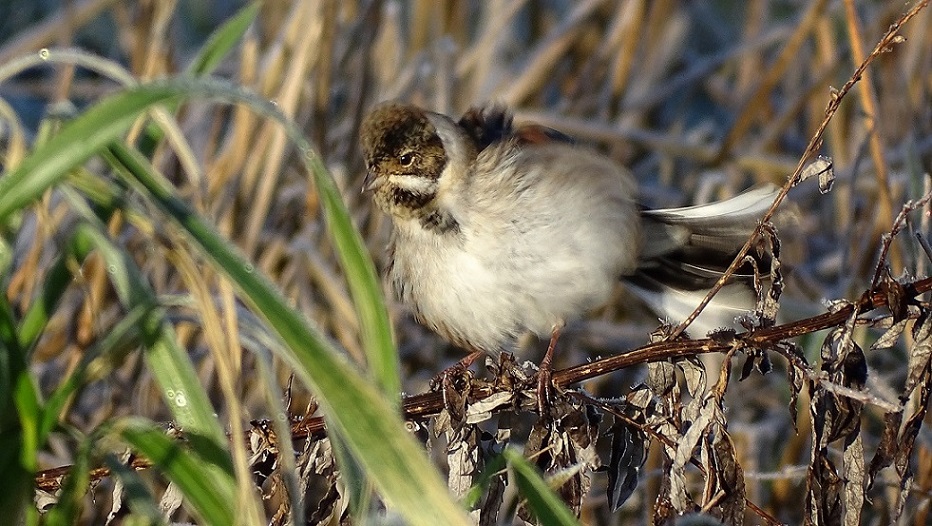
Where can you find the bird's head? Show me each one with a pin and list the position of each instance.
(408, 153)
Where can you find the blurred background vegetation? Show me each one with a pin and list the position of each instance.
(700, 99)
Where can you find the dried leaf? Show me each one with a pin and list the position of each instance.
(897, 299)
(264, 453)
(920, 354)
(822, 167)
(483, 409)
(441, 424)
(640, 398)
(44, 500)
(886, 451)
(764, 365)
(116, 501)
(664, 511)
(922, 328)
(694, 373)
(831, 418)
(794, 378)
(854, 368)
(629, 451)
(769, 303)
(829, 351)
(679, 497)
(567, 446)
(698, 428)
(897, 511)
(839, 416)
(907, 441)
(890, 336)
(171, 500)
(729, 478)
(326, 506)
(463, 458)
(488, 513)
(756, 359)
(836, 416)
(685, 447)
(319, 476)
(660, 377)
(582, 427)
(853, 461)
(454, 399)
(823, 501)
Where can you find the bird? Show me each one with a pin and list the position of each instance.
(499, 230)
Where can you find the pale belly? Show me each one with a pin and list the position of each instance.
(482, 299)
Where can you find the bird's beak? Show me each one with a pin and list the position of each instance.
(371, 182)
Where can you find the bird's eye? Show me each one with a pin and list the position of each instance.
(406, 159)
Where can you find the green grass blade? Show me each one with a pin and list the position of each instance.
(76, 142)
(135, 494)
(168, 362)
(375, 328)
(12, 362)
(58, 278)
(120, 338)
(364, 418)
(359, 489)
(541, 500)
(171, 366)
(208, 57)
(40, 309)
(68, 508)
(19, 414)
(211, 503)
(221, 41)
(480, 487)
(104, 122)
(269, 386)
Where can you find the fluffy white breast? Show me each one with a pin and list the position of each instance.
(544, 234)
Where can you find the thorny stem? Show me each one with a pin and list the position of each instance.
(889, 38)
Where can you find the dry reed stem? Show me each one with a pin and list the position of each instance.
(307, 29)
(869, 108)
(753, 102)
(542, 61)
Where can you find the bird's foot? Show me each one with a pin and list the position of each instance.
(457, 370)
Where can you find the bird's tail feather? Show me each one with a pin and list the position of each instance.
(686, 250)
(733, 301)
